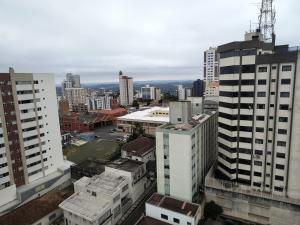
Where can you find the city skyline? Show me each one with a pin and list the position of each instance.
(166, 42)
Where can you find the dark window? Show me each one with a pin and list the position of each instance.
(163, 216)
(281, 143)
(274, 67)
(228, 94)
(283, 107)
(258, 174)
(282, 131)
(272, 93)
(269, 141)
(248, 68)
(285, 81)
(271, 105)
(175, 220)
(247, 94)
(262, 82)
(256, 184)
(262, 69)
(283, 119)
(229, 69)
(259, 141)
(271, 117)
(260, 106)
(260, 118)
(273, 80)
(278, 166)
(248, 52)
(278, 189)
(286, 68)
(261, 94)
(284, 94)
(258, 152)
(230, 54)
(257, 163)
(280, 155)
(259, 129)
(247, 82)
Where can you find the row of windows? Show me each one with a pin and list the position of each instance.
(237, 69)
(27, 92)
(33, 137)
(31, 128)
(283, 68)
(29, 110)
(235, 105)
(27, 82)
(236, 82)
(29, 101)
(236, 94)
(30, 119)
(279, 143)
(233, 53)
(34, 146)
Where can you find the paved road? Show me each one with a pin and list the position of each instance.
(137, 210)
(104, 133)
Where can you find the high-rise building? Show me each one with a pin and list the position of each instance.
(259, 116)
(30, 146)
(211, 65)
(212, 89)
(185, 150)
(126, 89)
(100, 102)
(74, 80)
(150, 93)
(75, 96)
(180, 92)
(198, 88)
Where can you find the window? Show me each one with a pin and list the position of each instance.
(274, 67)
(283, 107)
(272, 93)
(284, 94)
(163, 216)
(248, 68)
(271, 105)
(273, 80)
(258, 152)
(282, 131)
(260, 106)
(257, 163)
(280, 155)
(280, 167)
(175, 220)
(179, 119)
(271, 117)
(256, 184)
(281, 143)
(260, 118)
(261, 94)
(285, 81)
(262, 69)
(280, 189)
(286, 68)
(269, 141)
(258, 174)
(94, 193)
(283, 119)
(262, 82)
(259, 129)
(259, 141)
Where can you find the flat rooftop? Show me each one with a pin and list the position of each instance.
(146, 220)
(139, 146)
(154, 114)
(125, 164)
(195, 121)
(182, 207)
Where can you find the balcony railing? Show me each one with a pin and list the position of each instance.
(229, 186)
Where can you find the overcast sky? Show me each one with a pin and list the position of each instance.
(146, 39)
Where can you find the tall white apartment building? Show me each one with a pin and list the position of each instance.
(99, 102)
(126, 89)
(259, 120)
(211, 64)
(30, 146)
(75, 96)
(185, 150)
(71, 81)
(180, 92)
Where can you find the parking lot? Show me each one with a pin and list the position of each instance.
(105, 133)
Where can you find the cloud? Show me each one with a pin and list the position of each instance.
(146, 39)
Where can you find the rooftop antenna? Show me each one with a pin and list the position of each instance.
(266, 20)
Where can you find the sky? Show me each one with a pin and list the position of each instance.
(148, 40)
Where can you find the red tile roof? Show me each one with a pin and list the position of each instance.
(146, 220)
(139, 146)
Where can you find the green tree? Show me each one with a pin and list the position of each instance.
(137, 131)
(212, 210)
(135, 104)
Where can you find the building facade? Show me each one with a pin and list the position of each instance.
(185, 150)
(150, 93)
(211, 64)
(100, 102)
(30, 146)
(198, 88)
(126, 89)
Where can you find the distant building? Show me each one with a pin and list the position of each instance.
(71, 81)
(149, 119)
(141, 149)
(80, 108)
(188, 92)
(104, 198)
(186, 148)
(75, 96)
(198, 88)
(150, 93)
(126, 89)
(164, 210)
(212, 89)
(211, 65)
(100, 102)
(180, 92)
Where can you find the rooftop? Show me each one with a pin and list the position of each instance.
(125, 164)
(146, 220)
(154, 114)
(139, 146)
(182, 207)
(36, 209)
(196, 120)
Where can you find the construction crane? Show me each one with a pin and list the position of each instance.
(266, 20)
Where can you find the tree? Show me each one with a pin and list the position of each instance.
(137, 131)
(212, 210)
(135, 104)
